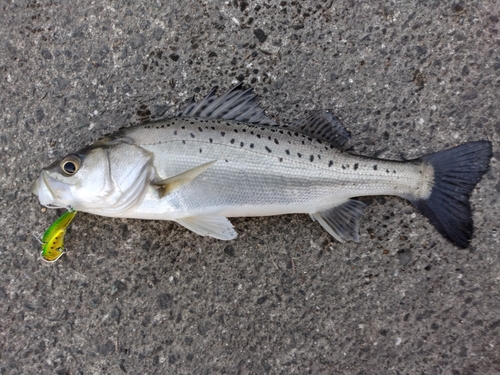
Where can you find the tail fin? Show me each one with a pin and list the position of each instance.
(456, 173)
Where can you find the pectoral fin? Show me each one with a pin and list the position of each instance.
(214, 226)
(170, 184)
(342, 222)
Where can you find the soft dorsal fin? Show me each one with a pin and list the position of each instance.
(236, 104)
(176, 182)
(324, 126)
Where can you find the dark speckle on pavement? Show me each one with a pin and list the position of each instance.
(131, 296)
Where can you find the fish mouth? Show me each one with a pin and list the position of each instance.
(41, 188)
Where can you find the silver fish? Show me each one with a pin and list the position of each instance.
(224, 158)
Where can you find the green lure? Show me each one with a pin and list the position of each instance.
(53, 238)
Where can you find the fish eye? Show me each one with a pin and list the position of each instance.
(70, 165)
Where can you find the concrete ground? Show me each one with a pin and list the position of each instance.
(139, 297)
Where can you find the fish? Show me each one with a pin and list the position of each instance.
(224, 157)
(53, 238)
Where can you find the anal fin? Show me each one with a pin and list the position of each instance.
(176, 182)
(342, 222)
(214, 226)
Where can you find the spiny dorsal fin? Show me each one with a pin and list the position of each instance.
(170, 184)
(236, 104)
(324, 126)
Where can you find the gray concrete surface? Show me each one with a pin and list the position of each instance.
(139, 297)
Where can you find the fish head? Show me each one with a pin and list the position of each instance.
(102, 178)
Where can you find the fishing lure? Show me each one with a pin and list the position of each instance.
(53, 238)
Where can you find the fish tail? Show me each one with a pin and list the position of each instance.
(456, 173)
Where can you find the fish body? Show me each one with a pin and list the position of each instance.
(224, 158)
(53, 238)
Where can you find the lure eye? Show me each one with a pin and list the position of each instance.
(70, 165)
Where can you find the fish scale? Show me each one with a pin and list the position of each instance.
(223, 157)
(262, 172)
(300, 147)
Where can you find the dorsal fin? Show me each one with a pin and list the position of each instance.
(236, 104)
(324, 126)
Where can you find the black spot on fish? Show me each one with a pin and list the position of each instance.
(223, 133)
(251, 132)
(244, 130)
(200, 150)
(232, 140)
(242, 144)
(393, 171)
(386, 171)
(211, 140)
(235, 130)
(192, 135)
(183, 142)
(375, 167)
(269, 137)
(287, 152)
(175, 132)
(356, 166)
(276, 141)
(227, 161)
(212, 127)
(299, 154)
(289, 133)
(330, 163)
(251, 145)
(343, 166)
(183, 127)
(303, 142)
(268, 149)
(319, 157)
(311, 158)
(258, 136)
(200, 129)
(281, 160)
(281, 131)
